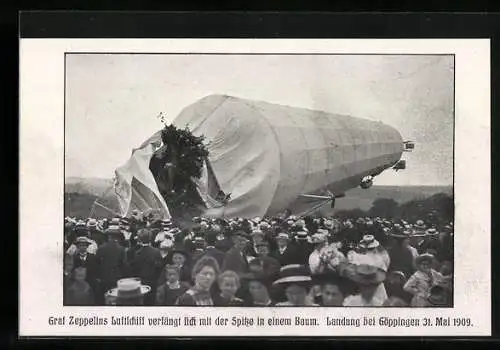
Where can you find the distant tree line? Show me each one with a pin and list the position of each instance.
(437, 209)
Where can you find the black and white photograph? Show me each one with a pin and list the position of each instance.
(258, 180)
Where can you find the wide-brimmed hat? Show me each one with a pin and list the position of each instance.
(83, 240)
(294, 273)
(365, 274)
(424, 257)
(369, 242)
(92, 223)
(327, 277)
(431, 232)
(301, 235)
(127, 288)
(420, 225)
(401, 234)
(115, 221)
(114, 230)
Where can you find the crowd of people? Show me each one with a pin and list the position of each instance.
(272, 261)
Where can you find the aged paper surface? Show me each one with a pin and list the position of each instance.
(47, 72)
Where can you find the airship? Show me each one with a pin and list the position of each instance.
(265, 158)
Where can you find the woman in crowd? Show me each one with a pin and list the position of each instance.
(205, 273)
(168, 292)
(368, 278)
(296, 282)
(373, 254)
(320, 242)
(332, 289)
(257, 287)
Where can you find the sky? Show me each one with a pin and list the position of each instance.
(112, 101)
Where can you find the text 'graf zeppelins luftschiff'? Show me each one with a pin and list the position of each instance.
(272, 157)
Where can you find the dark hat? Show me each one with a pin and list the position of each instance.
(114, 230)
(327, 277)
(365, 274)
(295, 273)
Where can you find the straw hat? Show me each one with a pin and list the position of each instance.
(294, 273)
(369, 242)
(365, 274)
(114, 230)
(301, 236)
(431, 232)
(128, 288)
(420, 225)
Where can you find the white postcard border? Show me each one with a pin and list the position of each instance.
(41, 196)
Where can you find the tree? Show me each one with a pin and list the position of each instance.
(384, 207)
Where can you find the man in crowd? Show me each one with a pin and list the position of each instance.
(211, 250)
(111, 260)
(236, 259)
(146, 264)
(285, 252)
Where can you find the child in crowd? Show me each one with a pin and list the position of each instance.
(168, 292)
(229, 283)
(421, 282)
(79, 292)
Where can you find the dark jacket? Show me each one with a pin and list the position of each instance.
(302, 252)
(235, 261)
(146, 264)
(271, 266)
(111, 259)
(90, 263)
(215, 253)
(288, 257)
(401, 260)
